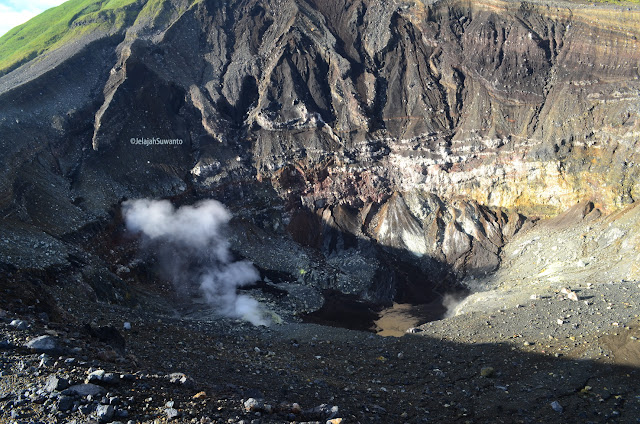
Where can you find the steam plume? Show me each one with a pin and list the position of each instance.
(451, 302)
(194, 251)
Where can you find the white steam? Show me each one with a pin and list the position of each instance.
(193, 251)
(451, 301)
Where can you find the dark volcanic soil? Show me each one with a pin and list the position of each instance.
(411, 379)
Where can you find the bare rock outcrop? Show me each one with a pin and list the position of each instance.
(426, 130)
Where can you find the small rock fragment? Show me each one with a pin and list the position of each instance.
(95, 376)
(122, 413)
(55, 384)
(200, 395)
(323, 411)
(85, 390)
(556, 406)
(180, 378)
(45, 360)
(43, 344)
(87, 409)
(65, 403)
(110, 378)
(487, 372)
(19, 324)
(253, 405)
(172, 413)
(105, 413)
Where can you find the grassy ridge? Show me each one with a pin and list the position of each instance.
(61, 24)
(72, 19)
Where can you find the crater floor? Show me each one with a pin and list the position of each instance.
(509, 365)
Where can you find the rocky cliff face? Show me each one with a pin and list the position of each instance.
(383, 148)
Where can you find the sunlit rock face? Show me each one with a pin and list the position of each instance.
(354, 132)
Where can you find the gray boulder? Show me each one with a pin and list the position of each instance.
(44, 344)
(56, 384)
(85, 390)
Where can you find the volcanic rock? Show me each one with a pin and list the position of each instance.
(104, 413)
(425, 133)
(44, 344)
(85, 390)
(19, 324)
(56, 384)
(370, 152)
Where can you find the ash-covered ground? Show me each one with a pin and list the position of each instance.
(549, 351)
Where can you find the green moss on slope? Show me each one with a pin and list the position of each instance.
(159, 13)
(62, 24)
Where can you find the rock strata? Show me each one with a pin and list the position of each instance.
(384, 150)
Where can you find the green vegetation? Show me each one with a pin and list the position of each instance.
(61, 24)
(160, 11)
(76, 18)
